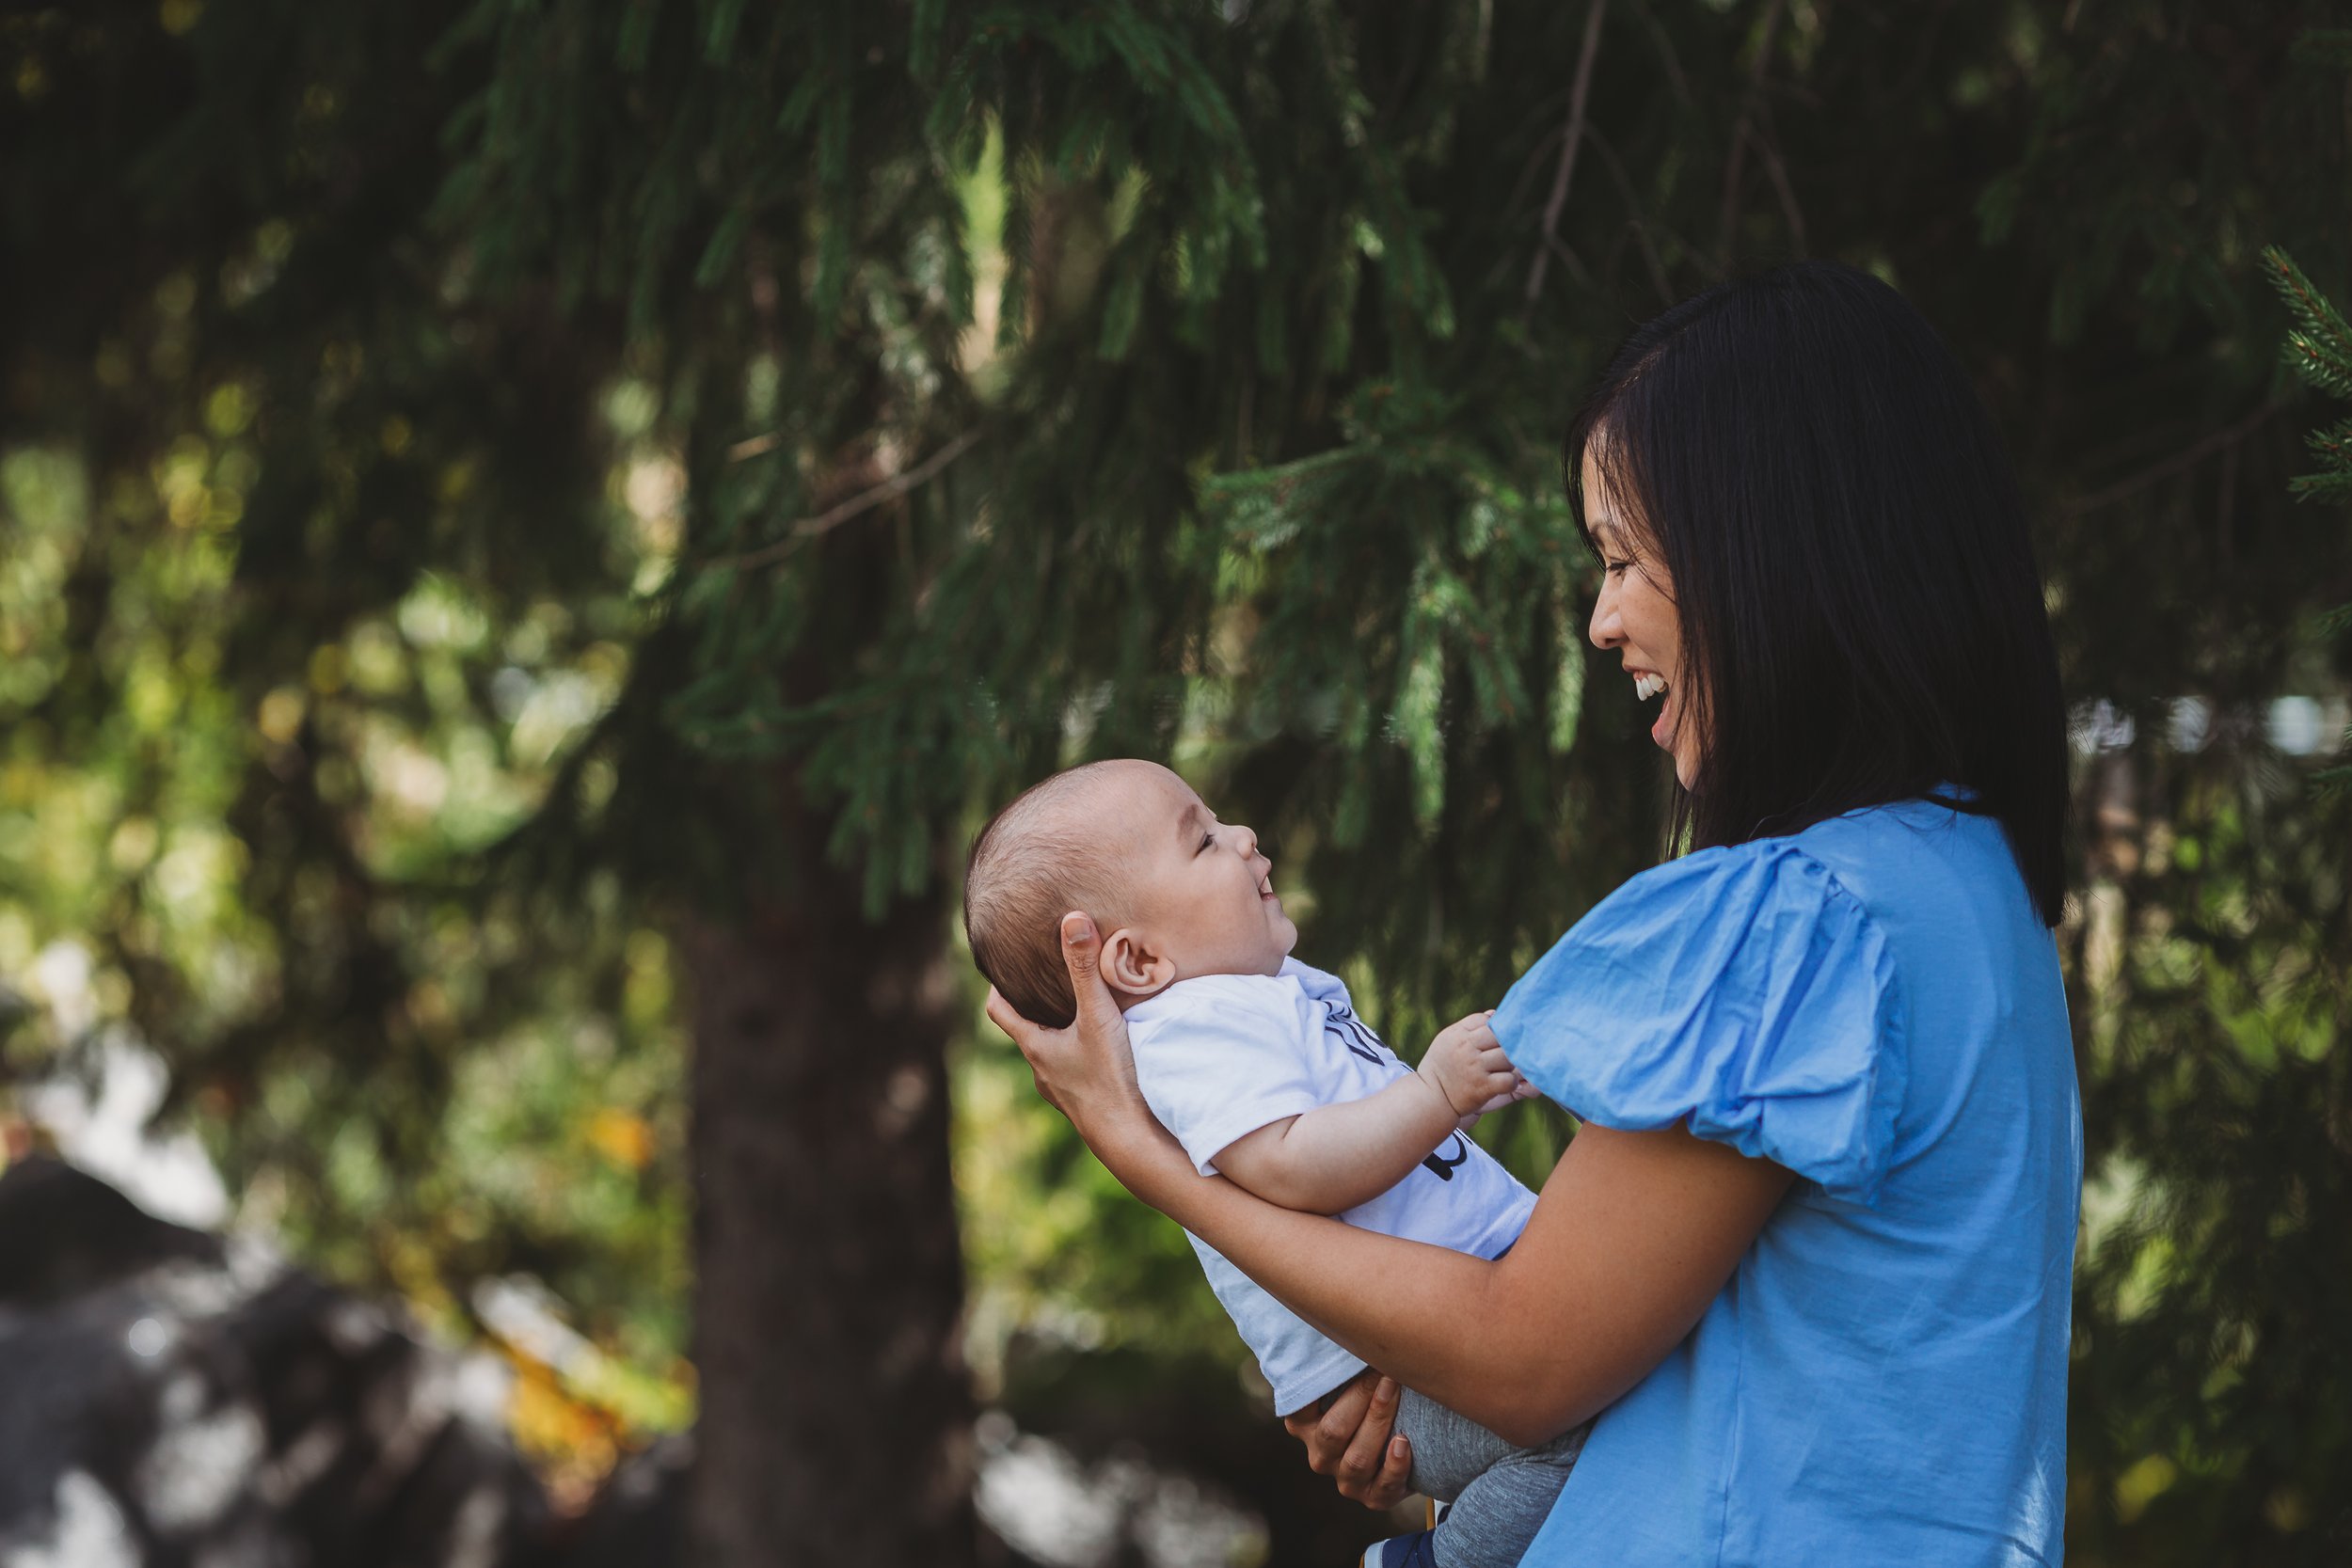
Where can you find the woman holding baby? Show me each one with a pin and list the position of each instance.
(1809, 1259)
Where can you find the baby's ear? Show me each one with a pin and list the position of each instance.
(1130, 964)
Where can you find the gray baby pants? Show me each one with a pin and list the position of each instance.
(1500, 1494)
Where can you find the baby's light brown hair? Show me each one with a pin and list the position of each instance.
(1035, 861)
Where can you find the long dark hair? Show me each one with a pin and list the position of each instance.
(1862, 619)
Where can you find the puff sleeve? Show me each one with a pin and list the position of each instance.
(1742, 989)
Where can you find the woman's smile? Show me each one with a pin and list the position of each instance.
(1648, 684)
(1635, 615)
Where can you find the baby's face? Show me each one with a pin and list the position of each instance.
(1202, 893)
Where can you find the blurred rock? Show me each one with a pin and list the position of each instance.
(170, 1399)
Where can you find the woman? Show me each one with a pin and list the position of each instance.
(1810, 1258)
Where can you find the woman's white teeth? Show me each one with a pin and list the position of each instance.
(1648, 686)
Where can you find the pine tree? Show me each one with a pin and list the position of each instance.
(2319, 351)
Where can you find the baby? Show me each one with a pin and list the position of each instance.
(1262, 1071)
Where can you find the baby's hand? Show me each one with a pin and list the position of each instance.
(1466, 1064)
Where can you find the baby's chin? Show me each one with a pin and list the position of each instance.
(1271, 958)
(1285, 939)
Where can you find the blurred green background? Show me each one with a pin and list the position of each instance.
(535, 531)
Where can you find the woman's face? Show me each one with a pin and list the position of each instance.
(1636, 617)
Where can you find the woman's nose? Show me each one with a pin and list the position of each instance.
(1604, 631)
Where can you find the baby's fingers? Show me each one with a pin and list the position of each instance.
(1492, 1090)
(1491, 1059)
(1472, 1030)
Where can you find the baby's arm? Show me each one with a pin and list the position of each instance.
(1335, 1157)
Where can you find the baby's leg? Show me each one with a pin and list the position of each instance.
(1500, 1494)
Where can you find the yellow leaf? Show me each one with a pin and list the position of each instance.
(621, 1137)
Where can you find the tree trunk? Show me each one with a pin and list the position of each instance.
(835, 1418)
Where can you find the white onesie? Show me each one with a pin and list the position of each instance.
(1222, 1055)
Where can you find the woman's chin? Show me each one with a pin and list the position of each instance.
(1665, 731)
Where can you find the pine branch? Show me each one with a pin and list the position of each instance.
(1571, 140)
(2180, 462)
(2319, 351)
(1742, 130)
(865, 500)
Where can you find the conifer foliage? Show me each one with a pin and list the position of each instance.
(2319, 351)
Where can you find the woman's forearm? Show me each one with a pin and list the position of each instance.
(1426, 1323)
(1433, 1322)
(1634, 1235)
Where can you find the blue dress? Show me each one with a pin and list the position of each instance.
(1874, 1003)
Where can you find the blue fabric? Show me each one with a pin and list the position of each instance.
(1874, 1003)
(1401, 1551)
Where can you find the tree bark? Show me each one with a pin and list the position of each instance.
(835, 1418)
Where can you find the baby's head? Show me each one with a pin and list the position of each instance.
(1174, 892)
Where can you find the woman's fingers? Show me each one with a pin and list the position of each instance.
(1395, 1482)
(1058, 1056)
(1036, 1043)
(1354, 1441)
(1000, 1013)
(1365, 1468)
(1326, 1435)
(1081, 952)
(1082, 1070)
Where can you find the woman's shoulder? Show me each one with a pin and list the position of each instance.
(1767, 993)
(1884, 860)
(1722, 892)
(1744, 992)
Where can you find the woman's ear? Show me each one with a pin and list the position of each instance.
(1131, 965)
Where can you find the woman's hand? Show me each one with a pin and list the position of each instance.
(1348, 1438)
(1087, 1072)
